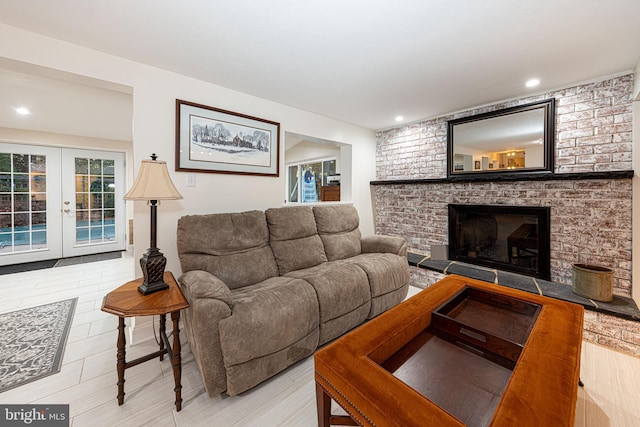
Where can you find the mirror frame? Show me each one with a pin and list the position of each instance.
(547, 105)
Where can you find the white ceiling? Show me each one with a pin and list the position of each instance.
(63, 103)
(360, 61)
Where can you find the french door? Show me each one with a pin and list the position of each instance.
(58, 202)
(92, 202)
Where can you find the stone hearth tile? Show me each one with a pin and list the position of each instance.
(563, 292)
(472, 272)
(517, 281)
(435, 265)
(623, 307)
(414, 258)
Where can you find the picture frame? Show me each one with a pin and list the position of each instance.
(213, 140)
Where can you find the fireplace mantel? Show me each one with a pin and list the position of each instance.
(507, 177)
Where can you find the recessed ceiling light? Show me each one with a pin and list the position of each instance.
(22, 111)
(399, 118)
(532, 83)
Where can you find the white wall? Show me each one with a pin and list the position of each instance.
(154, 95)
(307, 150)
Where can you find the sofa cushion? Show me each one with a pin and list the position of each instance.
(268, 317)
(232, 246)
(343, 296)
(338, 229)
(294, 238)
(387, 273)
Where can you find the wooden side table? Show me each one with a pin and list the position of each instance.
(126, 301)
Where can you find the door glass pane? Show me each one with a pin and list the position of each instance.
(95, 166)
(23, 200)
(95, 200)
(38, 183)
(20, 163)
(21, 183)
(109, 168)
(38, 202)
(21, 203)
(5, 162)
(5, 182)
(109, 201)
(82, 166)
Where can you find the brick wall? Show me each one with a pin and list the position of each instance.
(590, 219)
(593, 133)
(611, 331)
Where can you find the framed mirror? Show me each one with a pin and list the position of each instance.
(516, 139)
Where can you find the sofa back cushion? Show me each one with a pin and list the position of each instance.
(294, 238)
(232, 246)
(338, 229)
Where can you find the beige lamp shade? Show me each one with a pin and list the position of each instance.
(153, 183)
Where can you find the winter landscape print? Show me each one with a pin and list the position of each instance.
(212, 140)
(223, 142)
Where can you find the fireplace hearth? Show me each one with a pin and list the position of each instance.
(510, 238)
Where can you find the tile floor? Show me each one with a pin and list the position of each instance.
(87, 381)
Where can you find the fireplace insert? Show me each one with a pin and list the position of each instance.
(510, 238)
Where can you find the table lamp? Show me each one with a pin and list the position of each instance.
(153, 184)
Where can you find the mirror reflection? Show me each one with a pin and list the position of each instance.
(510, 140)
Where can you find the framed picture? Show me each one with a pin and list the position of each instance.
(218, 141)
(477, 164)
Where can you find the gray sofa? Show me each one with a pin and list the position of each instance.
(267, 288)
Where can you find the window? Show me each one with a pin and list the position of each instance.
(306, 179)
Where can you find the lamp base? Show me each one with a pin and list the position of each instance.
(152, 264)
(149, 288)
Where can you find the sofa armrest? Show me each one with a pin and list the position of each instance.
(378, 243)
(202, 284)
(210, 302)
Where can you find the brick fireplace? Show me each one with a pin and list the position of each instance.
(589, 195)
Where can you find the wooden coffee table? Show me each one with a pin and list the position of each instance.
(127, 301)
(462, 352)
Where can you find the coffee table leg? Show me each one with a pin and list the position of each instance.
(163, 329)
(120, 365)
(177, 361)
(323, 402)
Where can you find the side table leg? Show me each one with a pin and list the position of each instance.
(163, 328)
(323, 402)
(177, 360)
(120, 364)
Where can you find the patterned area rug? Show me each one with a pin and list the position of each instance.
(32, 342)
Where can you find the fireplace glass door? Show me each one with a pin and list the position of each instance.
(511, 238)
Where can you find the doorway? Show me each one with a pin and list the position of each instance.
(59, 202)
